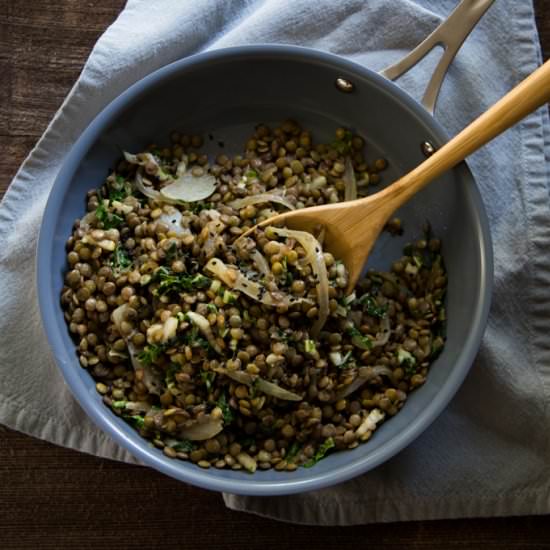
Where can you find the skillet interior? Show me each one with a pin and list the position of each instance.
(225, 94)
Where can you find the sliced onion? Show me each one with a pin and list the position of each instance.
(383, 336)
(185, 187)
(205, 427)
(210, 236)
(151, 379)
(182, 166)
(350, 388)
(118, 316)
(146, 158)
(105, 244)
(373, 372)
(169, 329)
(337, 359)
(350, 182)
(143, 189)
(113, 353)
(269, 388)
(131, 158)
(244, 247)
(314, 256)
(238, 375)
(122, 207)
(369, 424)
(189, 188)
(265, 214)
(261, 263)
(89, 219)
(358, 343)
(204, 326)
(247, 462)
(274, 390)
(261, 198)
(234, 279)
(211, 214)
(138, 406)
(318, 183)
(172, 217)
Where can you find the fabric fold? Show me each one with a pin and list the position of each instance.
(488, 454)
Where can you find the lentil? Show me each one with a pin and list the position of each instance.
(234, 375)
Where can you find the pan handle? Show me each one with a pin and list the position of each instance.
(449, 35)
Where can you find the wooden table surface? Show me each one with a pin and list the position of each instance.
(54, 498)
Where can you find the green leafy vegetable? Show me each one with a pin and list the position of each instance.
(321, 452)
(371, 306)
(171, 253)
(404, 356)
(253, 389)
(107, 219)
(346, 363)
(359, 339)
(418, 260)
(208, 376)
(170, 375)
(137, 420)
(229, 297)
(283, 336)
(309, 346)
(151, 353)
(408, 360)
(117, 195)
(348, 300)
(181, 445)
(293, 451)
(179, 282)
(120, 189)
(192, 339)
(410, 369)
(120, 259)
(228, 415)
(286, 275)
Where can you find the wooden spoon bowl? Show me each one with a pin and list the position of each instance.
(351, 228)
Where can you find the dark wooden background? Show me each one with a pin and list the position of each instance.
(54, 498)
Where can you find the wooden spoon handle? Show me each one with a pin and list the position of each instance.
(527, 96)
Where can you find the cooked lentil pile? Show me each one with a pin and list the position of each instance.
(245, 353)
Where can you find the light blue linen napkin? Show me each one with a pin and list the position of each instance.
(489, 452)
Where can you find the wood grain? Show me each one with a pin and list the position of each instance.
(54, 498)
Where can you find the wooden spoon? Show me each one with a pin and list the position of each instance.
(351, 228)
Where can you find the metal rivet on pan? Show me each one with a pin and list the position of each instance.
(427, 148)
(344, 85)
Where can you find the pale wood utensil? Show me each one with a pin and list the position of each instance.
(351, 228)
